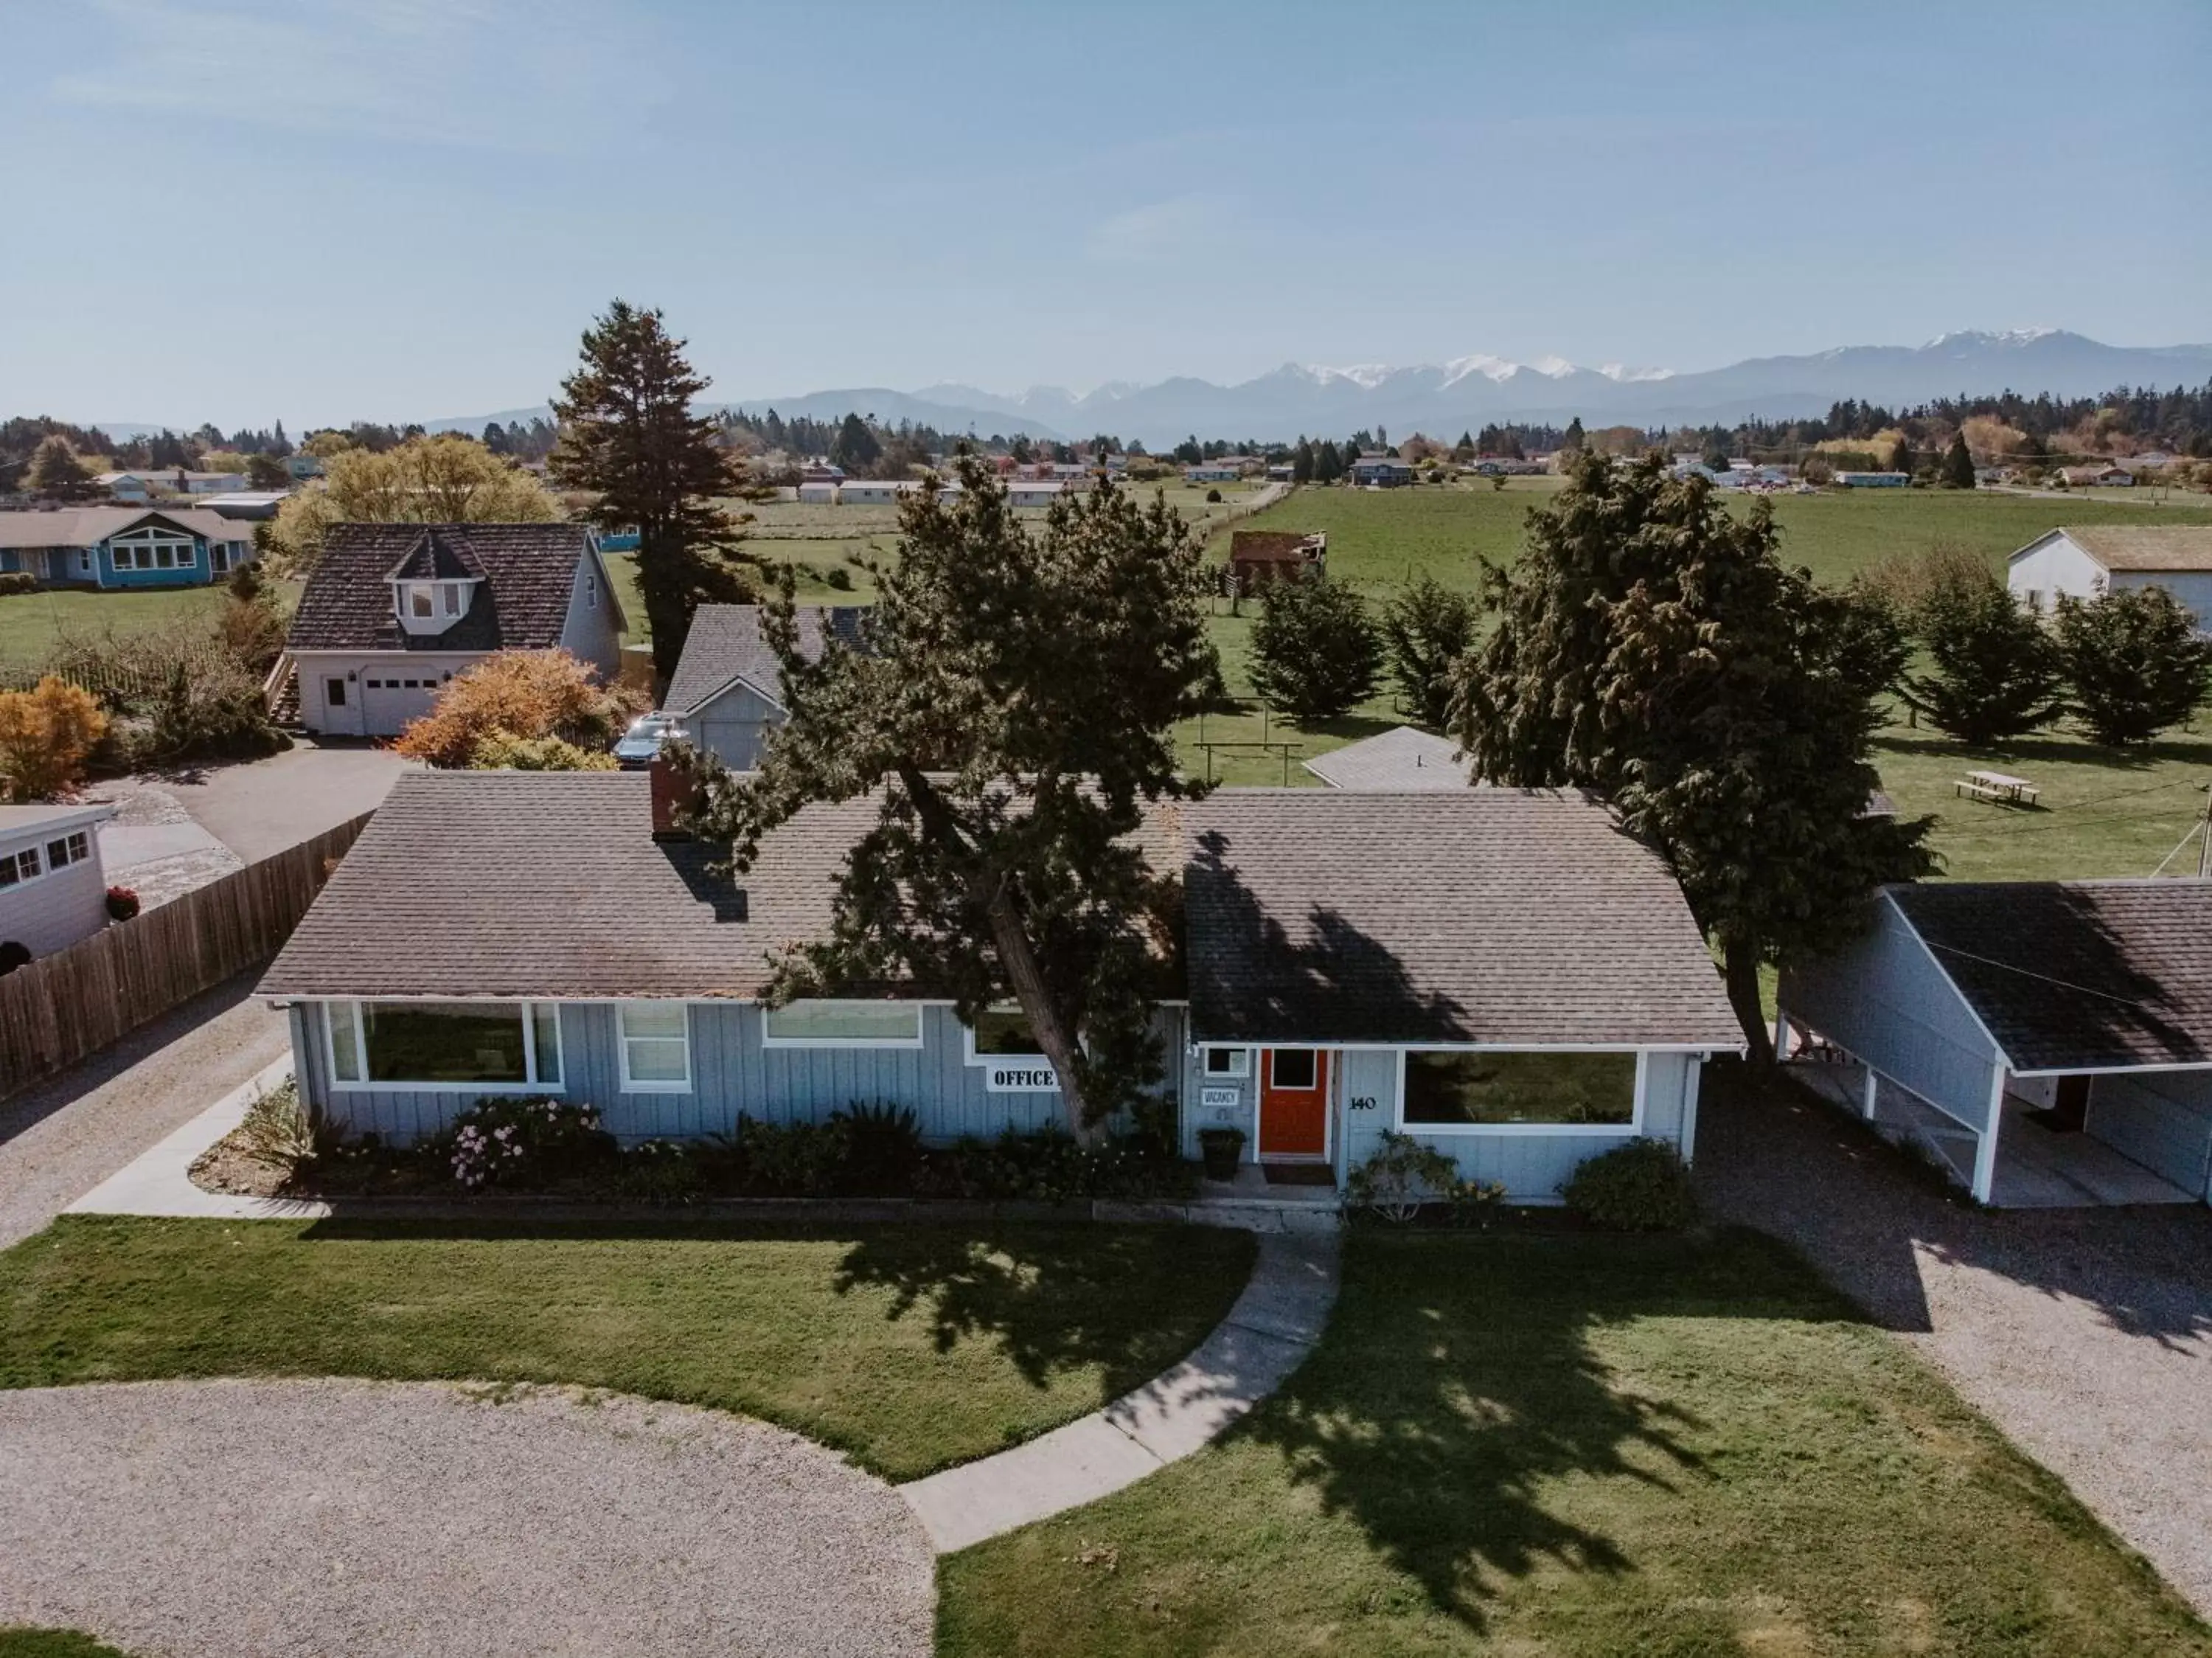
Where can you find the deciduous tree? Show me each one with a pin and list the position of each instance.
(1650, 646)
(631, 437)
(1427, 629)
(516, 694)
(45, 735)
(447, 479)
(2134, 661)
(1013, 716)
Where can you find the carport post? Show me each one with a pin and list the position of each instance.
(1985, 1148)
(1781, 1032)
(1872, 1087)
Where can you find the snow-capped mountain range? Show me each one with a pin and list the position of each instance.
(1445, 398)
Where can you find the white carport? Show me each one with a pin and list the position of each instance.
(2049, 1043)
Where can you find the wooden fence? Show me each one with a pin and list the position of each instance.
(55, 1011)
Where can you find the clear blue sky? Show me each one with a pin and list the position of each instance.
(242, 209)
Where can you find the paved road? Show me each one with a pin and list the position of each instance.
(262, 807)
(295, 1519)
(2085, 1334)
(63, 1137)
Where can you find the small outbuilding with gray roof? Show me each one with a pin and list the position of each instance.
(2082, 561)
(1503, 974)
(2050, 1042)
(728, 689)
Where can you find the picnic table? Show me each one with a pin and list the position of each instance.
(1998, 788)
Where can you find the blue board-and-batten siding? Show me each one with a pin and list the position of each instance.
(732, 1074)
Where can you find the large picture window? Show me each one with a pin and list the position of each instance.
(656, 1047)
(440, 1044)
(1478, 1090)
(843, 1024)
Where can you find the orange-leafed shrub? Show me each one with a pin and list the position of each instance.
(45, 733)
(518, 694)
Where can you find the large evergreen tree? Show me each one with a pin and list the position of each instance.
(1427, 629)
(1650, 646)
(1958, 464)
(1995, 670)
(2134, 661)
(1015, 707)
(856, 449)
(629, 437)
(1315, 651)
(56, 473)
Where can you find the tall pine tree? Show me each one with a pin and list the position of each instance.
(629, 435)
(1651, 647)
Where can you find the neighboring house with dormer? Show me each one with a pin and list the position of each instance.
(394, 610)
(728, 689)
(112, 547)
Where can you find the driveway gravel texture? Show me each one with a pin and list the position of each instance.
(284, 1519)
(61, 1138)
(2085, 1334)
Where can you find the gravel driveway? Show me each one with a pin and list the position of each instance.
(2085, 1334)
(61, 1138)
(261, 1519)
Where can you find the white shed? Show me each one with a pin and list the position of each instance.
(2048, 1042)
(53, 890)
(817, 495)
(2083, 560)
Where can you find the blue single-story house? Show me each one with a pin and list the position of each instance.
(119, 547)
(1502, 973)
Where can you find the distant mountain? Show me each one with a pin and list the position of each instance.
(1445, 399)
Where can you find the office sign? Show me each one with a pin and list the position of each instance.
(1027, 1073)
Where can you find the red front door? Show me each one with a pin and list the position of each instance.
(1293, 1103)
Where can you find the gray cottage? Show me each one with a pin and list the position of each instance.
(1500, 973)
(393, 611)
(728, 689)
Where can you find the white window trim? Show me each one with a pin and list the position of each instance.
(37, 851)
(532, 1084)
(968, 1045)
(71, 855)
(1630, 1129)
(623, 1039)
(1241, 1071)
(918, 1040)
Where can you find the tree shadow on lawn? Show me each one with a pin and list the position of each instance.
(1050, 1298)
(1458, 1405)
(2045, 750)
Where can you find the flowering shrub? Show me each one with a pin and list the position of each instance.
(527, 1142)
(121, 903)
(1405, 1175)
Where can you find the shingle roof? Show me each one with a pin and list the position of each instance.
(2145, 546)
(1398, 760)
(1479, 915)
(508, 884)
(529, 571)
(725, 645)
(2077, 975)
(81, 527)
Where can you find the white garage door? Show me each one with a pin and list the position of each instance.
(389, 700)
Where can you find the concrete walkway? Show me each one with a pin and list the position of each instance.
(1267, 1335)
(159, 1181)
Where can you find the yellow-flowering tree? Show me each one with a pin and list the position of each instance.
(45, 733)
(447, 479)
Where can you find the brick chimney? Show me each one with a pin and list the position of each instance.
(676, 793)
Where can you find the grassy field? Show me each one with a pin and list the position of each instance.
(52, 1643)
(33, 624)
(1581, 1446)
(907, 1347)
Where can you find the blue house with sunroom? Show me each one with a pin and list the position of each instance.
(1502, 973)
(114, 548)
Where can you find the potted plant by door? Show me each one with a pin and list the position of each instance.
(1222, 1149)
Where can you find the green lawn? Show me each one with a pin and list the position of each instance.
(31, 623)
(52, 1643)
(1581, 1445)
(909, 1347)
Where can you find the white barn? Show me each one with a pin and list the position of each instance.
(2048, 1042)
(2083, 560)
